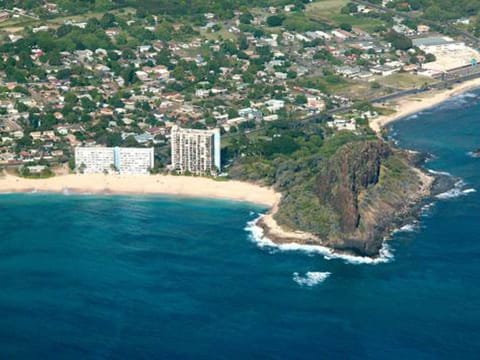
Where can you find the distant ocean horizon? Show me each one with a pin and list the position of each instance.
(108, 277)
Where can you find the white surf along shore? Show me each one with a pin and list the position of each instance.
(199, 187)
(185, 186)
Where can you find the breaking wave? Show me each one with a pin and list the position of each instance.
(456, 191)
(311, 278)
(459, 101)
(256, 234)
(469, 95)
(407, 228)
(444, 173)
(427, 208)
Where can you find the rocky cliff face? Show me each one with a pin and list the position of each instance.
(371, 188)
(352, 170)
(359, 195)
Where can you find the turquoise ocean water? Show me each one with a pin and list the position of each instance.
(118, 277)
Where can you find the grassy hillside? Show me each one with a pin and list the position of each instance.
(193, 7)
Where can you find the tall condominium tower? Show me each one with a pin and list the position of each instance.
(195, 151)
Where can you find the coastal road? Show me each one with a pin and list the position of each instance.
(378, 100)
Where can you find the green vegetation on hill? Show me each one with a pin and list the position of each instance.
(223, 8)
(70, 6)
(193, 7)
(346, 187)
(437, 9)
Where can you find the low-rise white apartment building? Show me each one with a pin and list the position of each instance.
(195, 151)
(91, 160)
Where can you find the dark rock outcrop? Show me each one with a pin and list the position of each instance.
(372, 188)
(350, 171)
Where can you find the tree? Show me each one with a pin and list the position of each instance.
(113, 139)
(301, 99)
(129, 76)
(346, 27)
(107, 20)
(130, 142)
(279, 145)
(398, 41)
(430, 58)
(242, 42)
(245, 18)
(275, 20)
(54, 58)
(210, 121)
(350, 8)
(291, 74)
(258, 33)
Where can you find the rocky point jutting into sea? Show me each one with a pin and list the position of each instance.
(366, 190)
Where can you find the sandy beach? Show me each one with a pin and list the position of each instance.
(185, 186)
(415, 103)
(144, 184)
(231, 190)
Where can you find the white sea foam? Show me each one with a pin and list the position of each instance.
(426, 209)
(407, 228)
(311, 278)
(473, 155)
(258, 237)
(434, 172)
(430, 157)
(458, 101)
(468, 95)
(456, 191)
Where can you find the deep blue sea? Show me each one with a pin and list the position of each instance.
(121, 277)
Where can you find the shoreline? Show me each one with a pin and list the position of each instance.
(198, 187)
(413, 104)
(170, 185)
(271, 231)
(195, 187)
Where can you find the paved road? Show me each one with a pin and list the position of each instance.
(378, 100)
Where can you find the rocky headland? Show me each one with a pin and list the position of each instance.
(360, 195)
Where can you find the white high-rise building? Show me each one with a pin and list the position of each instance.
(195, 151)
(91, 160)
